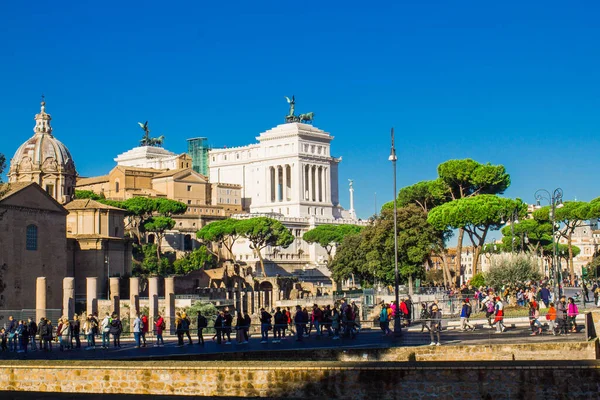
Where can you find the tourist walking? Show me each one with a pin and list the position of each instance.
(265, 325)
(499, 315)
(179, 328)
(227, 324)
(239, 328)
(160, 326)
(384, 321)
(534, 318)
(424, 317)
(335, 323)
(32, 328)
(465, 314)
(247, 324)
(435, 326)
(572, 312)
(115, 330)
(64, 332)
(137, 330)
(185, 325)
(106, 331)
(551, 318)
(76, 330)
(88, 330)
(144, 329)
(202, 324)
(218, 327)
(300, 320)
(280, 324)
(11, 331)
(561, 316)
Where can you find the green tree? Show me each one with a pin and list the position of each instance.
(151, 264)
(262, 232)
(208, 310)
(571, 215)
(467, 178)
(476, 216)
(198, 259)
(478, 280)
(350, 260)
(88, 194)
(528, 235)
(168, 207)
(330, 236)
(224, 232)
(512, 270)
(428, 195)
(370, 255)
(159, 226)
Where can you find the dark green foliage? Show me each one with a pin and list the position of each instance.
(197, 259)
(330, 236)
(88, 194)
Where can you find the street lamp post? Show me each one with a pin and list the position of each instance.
(397, 323)
(555, 201)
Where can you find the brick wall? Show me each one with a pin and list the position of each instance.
(306, 380)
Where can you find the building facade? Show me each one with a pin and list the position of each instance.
(290, 171)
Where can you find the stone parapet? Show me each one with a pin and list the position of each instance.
(309, 379)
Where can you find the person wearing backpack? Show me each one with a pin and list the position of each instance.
(384, 322)
(490, 308)
(465, 314)
(160, 326)
(185, 325)
(265, 325)
(202, 324)
(115, 330)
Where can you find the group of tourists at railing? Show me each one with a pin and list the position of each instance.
(339, 321)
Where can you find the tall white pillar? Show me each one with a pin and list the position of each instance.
(170, 303)
(153, 300)
(310, 183)
(134, 299)
(279, 186)
(320, 184)
(40, 298)
(115, 295)
(326, 178)
(92, 295)
(68, 297)
(270, 197)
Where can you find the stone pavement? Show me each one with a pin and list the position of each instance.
(365, 339)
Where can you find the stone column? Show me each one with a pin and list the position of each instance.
(134, 299)
(271, 180)
(326, 174)
(40, 298)
(285, 182)
(170, 303)
(115, 295)
(68, 298)
(153, 301)
(92, 295)
(277, 176)
(310, 183)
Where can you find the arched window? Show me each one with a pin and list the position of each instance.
(32, 237)
(117, 186)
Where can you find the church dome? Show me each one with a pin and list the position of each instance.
(45, 160)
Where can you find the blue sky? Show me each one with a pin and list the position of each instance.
(503, 82)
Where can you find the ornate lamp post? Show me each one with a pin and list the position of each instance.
(555, 201)
(397, 323)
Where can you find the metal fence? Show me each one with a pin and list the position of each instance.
(52, 314)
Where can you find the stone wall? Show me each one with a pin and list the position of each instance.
(310, 380)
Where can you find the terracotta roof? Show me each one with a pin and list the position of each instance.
(92, 180)
(13, 188)
(183, 171)
(83, 204)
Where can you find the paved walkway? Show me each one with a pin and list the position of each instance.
(366, 339)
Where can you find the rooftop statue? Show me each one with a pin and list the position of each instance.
(291, 117)
(147, 140)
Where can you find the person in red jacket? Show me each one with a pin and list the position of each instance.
(160, 326)
(404, 312)
(144, 329)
